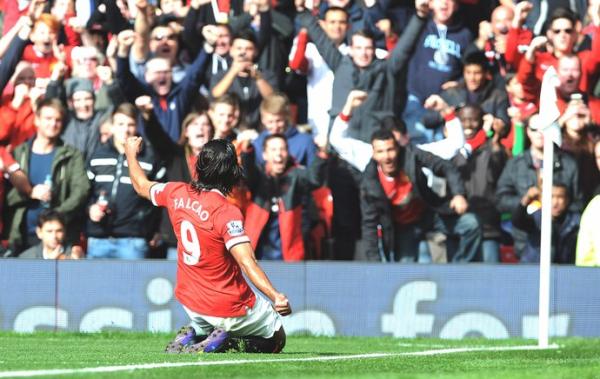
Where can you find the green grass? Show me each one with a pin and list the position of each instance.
(576, 358)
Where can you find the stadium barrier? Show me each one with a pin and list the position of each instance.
(328, 298)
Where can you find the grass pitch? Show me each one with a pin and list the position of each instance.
(43, 351)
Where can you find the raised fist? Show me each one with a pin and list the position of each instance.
(105, 74)
(126, 38)
(209, 32)
(538, 42)
(144, 104)
(435, 102)
(422, 8)
(522, 9)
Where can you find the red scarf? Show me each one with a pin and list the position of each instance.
(477, 140)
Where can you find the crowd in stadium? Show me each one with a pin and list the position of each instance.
(379, 130)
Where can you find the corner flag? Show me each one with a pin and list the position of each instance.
(549, 114)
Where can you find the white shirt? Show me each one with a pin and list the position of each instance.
(359, 153)
(319, 87)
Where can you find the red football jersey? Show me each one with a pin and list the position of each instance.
(209, 280)
(10, 166)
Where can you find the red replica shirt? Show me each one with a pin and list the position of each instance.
(10, 166)
(406, 209)
(209, 280)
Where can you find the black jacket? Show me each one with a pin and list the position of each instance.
(130, 215)
(376, 208)
(480, 173)
(175, 159)
(564, 235)
(520, 174)
(10, 60)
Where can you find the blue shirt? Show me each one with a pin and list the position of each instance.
(40, 166)
(300, 146)
(269, 244)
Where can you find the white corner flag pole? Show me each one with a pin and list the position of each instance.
(549, 114)
(545, 245)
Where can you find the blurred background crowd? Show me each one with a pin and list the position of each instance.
(377, 130)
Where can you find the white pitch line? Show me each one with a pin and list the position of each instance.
(430, 345)
(148, 366)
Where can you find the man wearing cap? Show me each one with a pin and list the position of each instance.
(83, 125)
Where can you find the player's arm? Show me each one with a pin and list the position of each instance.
(244, 256)
(140, 182)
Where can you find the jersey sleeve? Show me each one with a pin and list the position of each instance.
(159, 193)
(230, 225)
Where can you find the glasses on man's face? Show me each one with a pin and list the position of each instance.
(169, 37)
(566, 31)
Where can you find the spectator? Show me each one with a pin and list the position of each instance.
(565, 225)
(273, 30)
(480, 167)
(562, 36)
(17, 109)
(537, 19)
(120, 222)
(45, 51)
(476, 89)
(9, 169)
(16, 112)
(569, 75)
(89, 63)
(492, 40)
(276, 118)
(222, 112)
(277, 221)
(396, 198)
(519, 112)
(200, 13)
(360, 70)
(83, 122)
(246, 80)
(51, 233)
(588, 243)
(171, 101)
(578, 139)
(179, 158)
(588, 240)
(162, 41)
(440, 49)
(305, 58)
(518, 38)
(56, 172)
(356, 153)
(221, 60)
(523, 173)
(356, 12)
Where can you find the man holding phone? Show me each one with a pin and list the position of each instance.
(244, 78)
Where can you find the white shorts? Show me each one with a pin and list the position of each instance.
(260, 321)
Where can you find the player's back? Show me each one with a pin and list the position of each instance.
(209, 280)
